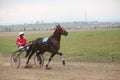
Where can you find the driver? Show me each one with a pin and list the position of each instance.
(21, 41)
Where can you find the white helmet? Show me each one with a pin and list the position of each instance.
(21, 33)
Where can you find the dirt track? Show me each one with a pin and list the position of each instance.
(72, 71)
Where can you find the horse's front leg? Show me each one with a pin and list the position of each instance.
(63, 60)
(51, 56)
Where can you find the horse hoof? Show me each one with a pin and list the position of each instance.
(63, 63)
(48, 68)
(28, 66)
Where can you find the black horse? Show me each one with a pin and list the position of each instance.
(51, 44)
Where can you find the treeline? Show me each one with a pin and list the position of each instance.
(51, 26)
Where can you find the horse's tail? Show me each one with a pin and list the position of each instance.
(28, 50)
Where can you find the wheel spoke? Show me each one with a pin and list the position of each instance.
(15, 61)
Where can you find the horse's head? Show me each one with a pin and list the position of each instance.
(61, 30)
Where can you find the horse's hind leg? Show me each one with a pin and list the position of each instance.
(28, 66)
(51, 56)
(63, 60)
(38, 57)
(28, 51)
(30, 57)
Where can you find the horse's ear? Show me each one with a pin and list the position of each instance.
(58, 24)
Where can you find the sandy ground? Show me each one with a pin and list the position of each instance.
(72, 71)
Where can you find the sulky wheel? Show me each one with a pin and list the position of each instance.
(14, 61)
(39, 60)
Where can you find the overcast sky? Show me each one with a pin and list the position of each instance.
(30, 11)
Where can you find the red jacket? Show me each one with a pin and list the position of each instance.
(21, 41)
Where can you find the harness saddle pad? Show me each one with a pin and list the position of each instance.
(45, 39)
